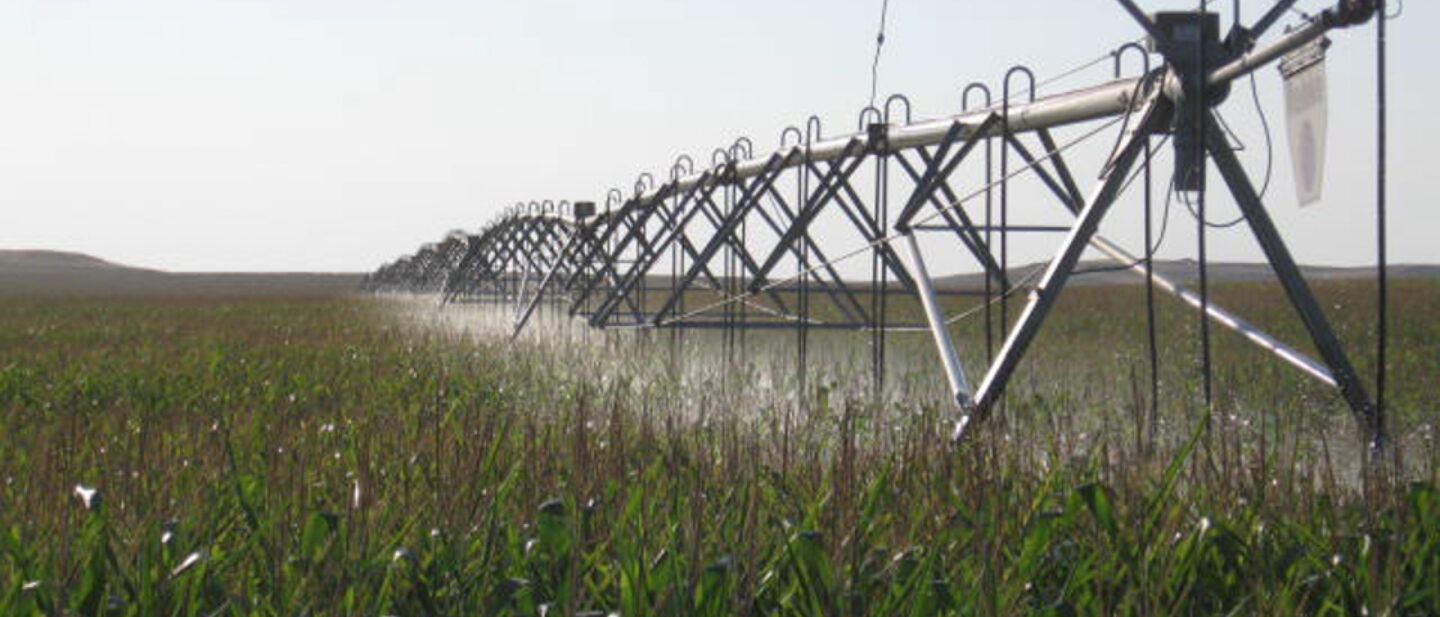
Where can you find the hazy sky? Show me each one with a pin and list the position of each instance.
(337, 134)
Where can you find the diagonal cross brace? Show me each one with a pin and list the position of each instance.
(1060, 268)
(829, 183)
(935, 174)
(752, 191)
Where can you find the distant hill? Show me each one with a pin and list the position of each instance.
(49, 273)
(52, 273)
(1183, 270)
(50, 261)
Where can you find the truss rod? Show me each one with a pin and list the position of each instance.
(954, 373)
(1216, 313)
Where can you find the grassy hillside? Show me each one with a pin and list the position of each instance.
(28, 273)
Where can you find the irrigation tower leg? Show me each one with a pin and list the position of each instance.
(1295, 287)
(954, 373)
(1156, 115)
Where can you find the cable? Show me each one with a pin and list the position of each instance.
(1164, 218)
(879, 44)
(1136, 173)
(1398, 11)
(1269, 145)
(1159, 239)
(1085, 65)
(1077, 69)
(1133, 176)
(1194, 212)
(1230, 132)
(1119, 267)
(1034, 272)
(1125, 124)
(1269, 160)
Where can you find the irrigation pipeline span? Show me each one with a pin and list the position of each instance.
(711, 246)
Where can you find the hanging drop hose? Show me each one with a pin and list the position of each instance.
(1152, 345)
(1201, 111)
(1380, 239)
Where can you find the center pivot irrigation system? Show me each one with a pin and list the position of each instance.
(706, 248)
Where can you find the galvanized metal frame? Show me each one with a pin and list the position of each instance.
(603, 266)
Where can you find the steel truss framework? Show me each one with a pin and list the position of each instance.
(709, 247)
